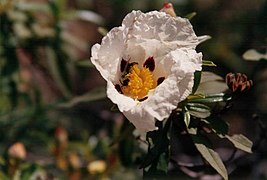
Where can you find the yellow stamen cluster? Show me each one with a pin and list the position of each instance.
(141, 81)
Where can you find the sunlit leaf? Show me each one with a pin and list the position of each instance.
(211, 83)
(211, 98)
(240, 142)
(102, 31)
(208, 63)
(210, 156)
(199, 110)
(32, 6)
(203, 38)
(90, 16)
(190, 15)
(253, 55)
(186, 116)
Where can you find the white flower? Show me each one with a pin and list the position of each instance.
(149, 64)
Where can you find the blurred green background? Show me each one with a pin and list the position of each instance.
(53, 101)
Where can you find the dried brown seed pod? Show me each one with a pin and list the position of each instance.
(238, 82)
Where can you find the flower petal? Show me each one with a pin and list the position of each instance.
(133, 110)
(124, 103)
(161, 26)
(177, 86)
(141, 119)
(107, 56)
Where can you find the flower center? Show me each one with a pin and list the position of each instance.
(141, 81)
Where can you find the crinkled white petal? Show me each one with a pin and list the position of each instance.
(107, 56)
(177, 86)
(133, 110)
(124, 103)
(140, 118)
(161, 26)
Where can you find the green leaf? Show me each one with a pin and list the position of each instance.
(253, 55)
(2, 161)
(158, 145)
(218, 124)
(212, 98)
(199, 110)
(203, 38)
(93, 95)
(28, 171)
(56, 71)
(85, 63)
(210, 156)
(197, 79)
(3, 176)
(211, 83)
(208, 63)
(190, 15)
(186, 116)
(240, 142)
(103, 31)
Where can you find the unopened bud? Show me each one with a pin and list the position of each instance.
(97, 167)
(75, 161)
(61, 135)
(238, 82)
(168, 8)
(17, 151)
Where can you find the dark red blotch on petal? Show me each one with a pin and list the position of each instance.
(150, 63)
(118, 88)
(123, 65)
(160, 80)
(142, 99)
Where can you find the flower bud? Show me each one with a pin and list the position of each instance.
(98, 166)
(61, 135)
(17, 151)
(74, 160)
(238, 82)
(168, 8)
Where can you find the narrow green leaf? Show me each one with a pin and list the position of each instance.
(199, 110)
(186, 116)
(213, 159)
(208, 63)
(85, 63)
(103, 31)
(55, 72)
(240, 142)
(159, 144)
(93, 95)
(203, 38)
(212, 98)
(163, 162)
(190, 15)
(197, 79)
